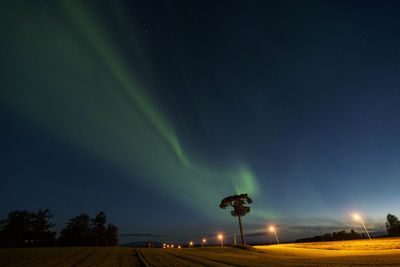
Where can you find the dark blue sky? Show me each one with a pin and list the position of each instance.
(154, 111)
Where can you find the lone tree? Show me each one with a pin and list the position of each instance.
(238, 202)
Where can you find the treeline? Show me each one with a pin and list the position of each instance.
(392, 228)
(33, 229)
(335, 236)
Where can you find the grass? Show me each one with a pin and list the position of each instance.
(378, 252)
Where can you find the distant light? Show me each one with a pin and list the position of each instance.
(204, 240)
(167, 246)
(356, 216)
(220, 238)
(191, 243)
(172, 245)
(179, 246)
(272, 228)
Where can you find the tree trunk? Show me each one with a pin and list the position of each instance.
(241, 230)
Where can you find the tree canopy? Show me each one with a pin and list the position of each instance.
(84, 231)
(392, 225)
(238, 202)
(27, 229)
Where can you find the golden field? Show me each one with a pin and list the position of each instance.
(378, 252)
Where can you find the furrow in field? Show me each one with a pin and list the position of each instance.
(143, 262)
(60, 256)
(13, 255)
(72, 255)
(101, 257)
(78, 255)
(196, 259)
(112, 259)
(158, 257)
(86, 260)
(40, 255)
(234, 257)
(129, 257)
(222, 260)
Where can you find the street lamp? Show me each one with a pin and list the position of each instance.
(190, 244)
(359, 218)
(203, 241)
(220, 237)
(273, 229)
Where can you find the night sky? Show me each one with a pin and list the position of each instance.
(153, 111)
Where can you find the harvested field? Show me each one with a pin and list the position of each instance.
(378, 252)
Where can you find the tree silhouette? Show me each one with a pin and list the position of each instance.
(27, 229)
(77, 232)
(40, 227)
(392, 225)
(238, 202)
(84, 231)
(341, 235)
(111, 234)
(99, 229)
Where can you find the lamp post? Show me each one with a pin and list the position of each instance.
(359, 218)
(203, 241)
(220, 237)
(273, 229)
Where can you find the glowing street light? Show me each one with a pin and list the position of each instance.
(203, 241)
(220, 237)
(190, 244)
(273, 229)
(179, 246)
(163, 245)
(172, 246)
(357, 217)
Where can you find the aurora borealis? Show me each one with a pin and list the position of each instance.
(155, 111)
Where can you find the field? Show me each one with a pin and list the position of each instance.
(378, 252)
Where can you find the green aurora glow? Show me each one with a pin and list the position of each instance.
(79, 86)
(97, 103)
